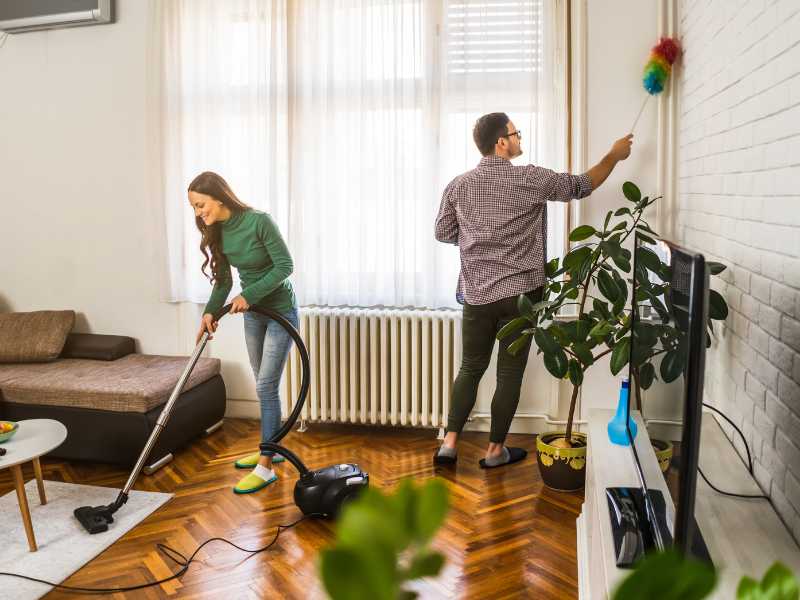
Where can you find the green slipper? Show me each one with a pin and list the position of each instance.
(254, 481)
(249, 462)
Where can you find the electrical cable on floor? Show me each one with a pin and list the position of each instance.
(749, 461)
(170, 553)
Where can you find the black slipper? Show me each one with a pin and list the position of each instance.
(514, 455)
(443, 460)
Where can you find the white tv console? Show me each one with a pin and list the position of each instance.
(744, 536)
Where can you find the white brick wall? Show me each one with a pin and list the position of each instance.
(739, 187)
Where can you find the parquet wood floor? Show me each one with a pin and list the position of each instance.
(506, 536)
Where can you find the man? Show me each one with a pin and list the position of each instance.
(497, 215)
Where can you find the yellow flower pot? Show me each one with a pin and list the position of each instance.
(562, 469)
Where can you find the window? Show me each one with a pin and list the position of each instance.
(345, 120)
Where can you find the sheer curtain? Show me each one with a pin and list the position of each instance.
(344, 119)
(224, 108)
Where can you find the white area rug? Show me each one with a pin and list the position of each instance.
(64, 545)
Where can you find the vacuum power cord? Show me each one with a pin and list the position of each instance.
(170, 553)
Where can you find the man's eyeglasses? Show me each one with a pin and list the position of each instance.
(517, 133)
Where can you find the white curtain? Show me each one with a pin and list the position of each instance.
(224, 109)
(344, 119)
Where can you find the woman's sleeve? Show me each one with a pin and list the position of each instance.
(222, 287)
(282, 265)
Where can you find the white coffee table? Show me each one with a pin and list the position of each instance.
(34, 438)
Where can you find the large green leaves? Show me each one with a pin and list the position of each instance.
(601, 330)
(631, 191)
(525, 307)
(339, 568)
(601, 308)
(718, 308)
(372, 533)
(647, 374)
(581, 233)
(620, 355)
(715, 268)
(779, 583)
(672, 365)
(608, 287)
(429, 510)
(546, 342)
(556, 363)
(518, 344)
(584, 353)
(667, 576)
(649, 259)
(575, 372)
(512, 326)
(551, 267)
(425, 564)
(575, 259)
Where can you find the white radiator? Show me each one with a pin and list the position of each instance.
(376, 366)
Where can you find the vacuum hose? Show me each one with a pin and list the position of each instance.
(273, 444)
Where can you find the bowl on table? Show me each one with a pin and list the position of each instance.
(7, 430)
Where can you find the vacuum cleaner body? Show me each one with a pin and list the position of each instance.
(325, 491)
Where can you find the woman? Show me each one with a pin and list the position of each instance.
(233, 234)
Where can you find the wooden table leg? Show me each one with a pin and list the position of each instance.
(37, 469)
(16, 470)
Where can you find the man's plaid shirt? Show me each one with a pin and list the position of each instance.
(497, 215)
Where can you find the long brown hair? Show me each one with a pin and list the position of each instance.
(211, 184)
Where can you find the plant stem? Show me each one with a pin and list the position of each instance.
(638, 389)
(602, 354)
(572, 403)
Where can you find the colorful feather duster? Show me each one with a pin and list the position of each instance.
(658, 69)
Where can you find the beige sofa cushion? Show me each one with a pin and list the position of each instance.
(133, 383)
(34, 336)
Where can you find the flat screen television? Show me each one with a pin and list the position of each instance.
(669, 316)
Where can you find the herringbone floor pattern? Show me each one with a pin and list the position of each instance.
(507, 536)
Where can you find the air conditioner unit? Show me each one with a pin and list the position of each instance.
(19, 16)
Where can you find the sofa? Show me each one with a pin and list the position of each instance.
(106, 394)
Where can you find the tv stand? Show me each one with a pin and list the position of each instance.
(743, 536)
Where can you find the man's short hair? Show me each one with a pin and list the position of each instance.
(488, 129)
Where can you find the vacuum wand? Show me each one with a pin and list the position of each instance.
(96, 519)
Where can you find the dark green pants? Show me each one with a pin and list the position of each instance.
(479, 327)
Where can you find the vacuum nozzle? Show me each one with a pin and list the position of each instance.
(96, 519)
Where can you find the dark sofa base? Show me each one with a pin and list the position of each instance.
(117, 437)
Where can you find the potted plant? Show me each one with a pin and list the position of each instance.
(660, 336)
(668, 575)
(383, 543)
(593, 278)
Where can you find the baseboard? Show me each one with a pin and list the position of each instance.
(249, 409)
(242, 409)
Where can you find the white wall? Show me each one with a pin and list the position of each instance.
(620, 34)
(76, 232)
(78, 229)
(81, 232)
(739, 182)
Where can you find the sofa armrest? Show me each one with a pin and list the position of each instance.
(97, 346)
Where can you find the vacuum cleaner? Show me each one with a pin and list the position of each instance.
(319, 493)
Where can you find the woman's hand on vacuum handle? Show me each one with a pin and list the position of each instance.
(239, 304)
(207, 324)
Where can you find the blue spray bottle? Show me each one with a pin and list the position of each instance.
(616, 426)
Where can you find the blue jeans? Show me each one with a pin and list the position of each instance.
(268, 346)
